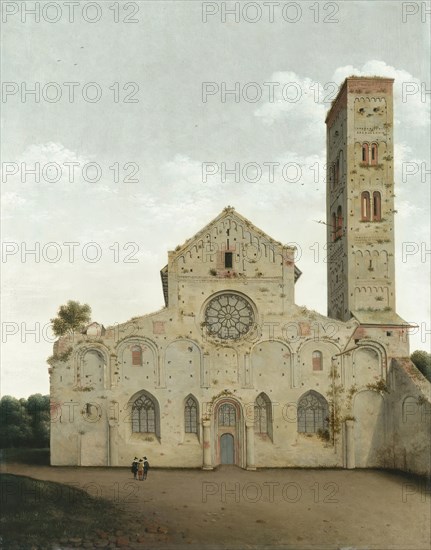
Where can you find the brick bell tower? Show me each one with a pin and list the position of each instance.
(360, 201)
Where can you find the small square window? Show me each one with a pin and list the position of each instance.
(228, 259)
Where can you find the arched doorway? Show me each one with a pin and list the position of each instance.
(229, 433)
(227, 449)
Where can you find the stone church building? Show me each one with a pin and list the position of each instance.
(231, 370)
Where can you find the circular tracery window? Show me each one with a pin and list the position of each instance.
(229, 316)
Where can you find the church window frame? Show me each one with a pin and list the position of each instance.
(332, 175)
(229, 315)
(365, 153)
(317, 360)
(263, 415)
(377, 206)
(365, 206)
(340, 166)
(226, 415)
(145, 415)
(334, 227)
(337, 171)
(228, 260)
(339, 231)
(374, 154)
(312, 413)
(191, 415)
(136, 351)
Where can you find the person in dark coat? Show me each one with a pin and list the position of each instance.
(135, 467)
(146, 467)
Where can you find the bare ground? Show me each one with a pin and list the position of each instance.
(230, 508)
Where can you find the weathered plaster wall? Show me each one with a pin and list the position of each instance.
(93, 420)
(409, 407)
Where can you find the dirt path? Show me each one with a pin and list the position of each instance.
(233, 508)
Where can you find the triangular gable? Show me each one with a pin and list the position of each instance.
(228, 212)
(209, 233)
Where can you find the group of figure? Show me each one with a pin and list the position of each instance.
(140, 467)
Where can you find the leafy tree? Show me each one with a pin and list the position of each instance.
(38, 410)
(71, 317)
(24, 422)
(422, 360)
(15, 430)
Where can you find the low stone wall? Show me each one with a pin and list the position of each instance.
(409, 419)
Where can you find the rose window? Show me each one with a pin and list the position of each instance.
(229, 316)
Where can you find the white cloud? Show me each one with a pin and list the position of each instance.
(44, 153)
(297, 101)
(61, 170)
(183, 169)
(306, 101)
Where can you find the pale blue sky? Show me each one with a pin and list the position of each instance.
(169, 133)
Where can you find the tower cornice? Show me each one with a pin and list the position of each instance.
(357, 85)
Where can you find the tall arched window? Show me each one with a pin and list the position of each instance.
(144, 418)
(340, 166)
(365, 153)
(191, 415)
(334, 226)
(227, 415)
(136, 356)
(339, 233)
(374, 159)
(331, 175)
(262, 415)
(377, 206)
(312, 413)
(337, 171)
(365, 206)
(317, 360)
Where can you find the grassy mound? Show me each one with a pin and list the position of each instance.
(36, 512)
(39, 457)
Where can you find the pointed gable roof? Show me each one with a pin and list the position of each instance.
(227, 212)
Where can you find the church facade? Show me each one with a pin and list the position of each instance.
(231, 370)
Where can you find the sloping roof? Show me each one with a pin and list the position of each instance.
(367, 317)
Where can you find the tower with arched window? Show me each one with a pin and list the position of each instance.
(232, 370)
(360, 202)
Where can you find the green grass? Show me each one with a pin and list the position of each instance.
(39, 457)
(35, 512)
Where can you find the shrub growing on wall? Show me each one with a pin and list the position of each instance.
(70, 317)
